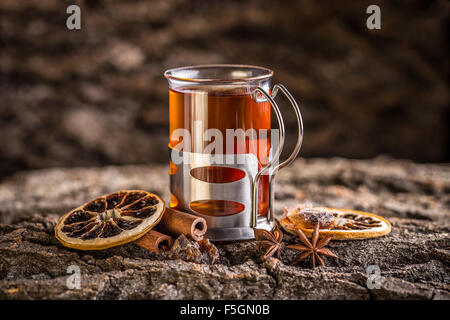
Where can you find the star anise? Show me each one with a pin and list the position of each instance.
(270, 242)
(313, 248)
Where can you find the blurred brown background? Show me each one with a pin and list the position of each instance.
(97, 96)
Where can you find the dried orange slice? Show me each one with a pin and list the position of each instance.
(110, 220)
(341, 224)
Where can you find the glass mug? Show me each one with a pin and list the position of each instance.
(224, 153)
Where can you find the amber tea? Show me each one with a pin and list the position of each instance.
(222, 109)
(223, 152)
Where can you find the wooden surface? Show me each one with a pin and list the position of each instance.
(414, 260)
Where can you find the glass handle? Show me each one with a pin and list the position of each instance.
(276, 156)
(298, 114)
(281, 139)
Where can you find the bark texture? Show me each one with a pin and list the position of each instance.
(414, 259)
(363, 92)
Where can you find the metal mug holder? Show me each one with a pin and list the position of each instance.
(239, 226)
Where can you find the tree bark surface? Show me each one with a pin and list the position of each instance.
(413, 259)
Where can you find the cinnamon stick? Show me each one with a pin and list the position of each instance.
(176, 222)
(155, 241)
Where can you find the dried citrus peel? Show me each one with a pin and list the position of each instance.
(347, 225)
(110, 220)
